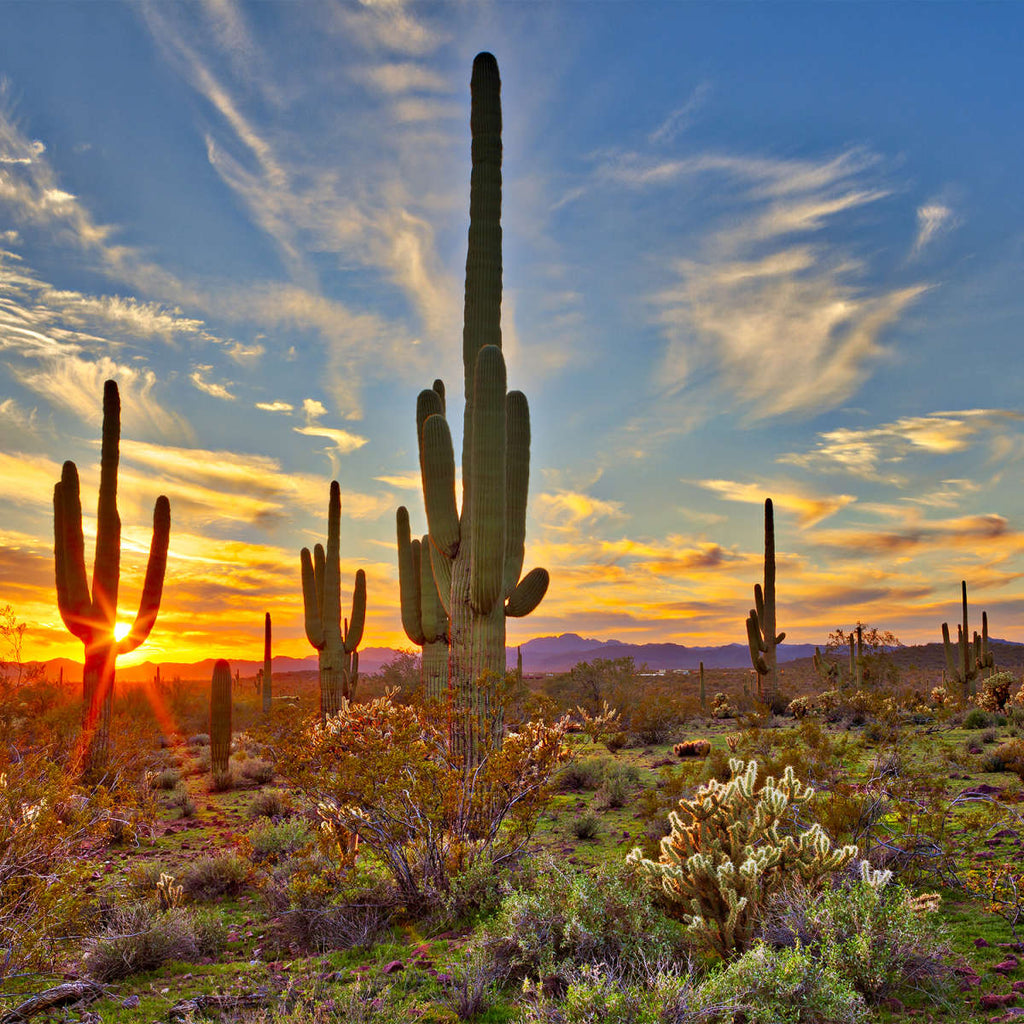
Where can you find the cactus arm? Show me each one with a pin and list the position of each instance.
(517, 469)
(441, 568)
(331, 603)
(408, 579)
(754, 642)
(438, 472)
(106, 569)
(152, 588)
(319, 569)
(69, 556)
(354, 626)
(311, 604)
(947, 647)
(428, 403)
(528, 593)
(438, 388)
(487, 499)
(432, 614)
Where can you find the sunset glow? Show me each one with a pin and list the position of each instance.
(740, 262)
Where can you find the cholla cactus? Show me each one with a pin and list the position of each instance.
(801, 707)
(725, 854)
(169, 895)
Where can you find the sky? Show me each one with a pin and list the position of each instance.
(750, 250)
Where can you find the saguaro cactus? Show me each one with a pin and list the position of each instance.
(92, 618)
(963, 668)
(423, 616)
(703, 692)
(334, 641)
(267, 679)
(761, 636)
(220, 717)
(477, 554)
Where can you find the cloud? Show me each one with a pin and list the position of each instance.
(275, 406)
(313, 409)
(15, 417)
(808, 508)
(404, 76)
(933, 219)
(568, 510)
(388, 25)
(342, 441)
(199, 381)
(411, 481)
(680, 118)
(868, 452)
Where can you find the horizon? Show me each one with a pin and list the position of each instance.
(749, 253)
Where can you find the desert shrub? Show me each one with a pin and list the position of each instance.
(1007, 757)
(181, 801)
(976, 718)
(577, 775)
(256, 770)
(655, 717)
(600, 724)
(166, 779)
(725, 854)
(472, 987)
(271, 842)
(140, 938)
(568, 919)
(586, 826)
(386, 774)
(223, 875)
(270, 803)
(780, 986)
(142, 878)
(222, 780)
(44, 819)
(617, 786)
(615, 742)
(879, 937)
(200, 739)
(692, 748)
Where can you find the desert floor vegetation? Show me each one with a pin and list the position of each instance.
(162, 896)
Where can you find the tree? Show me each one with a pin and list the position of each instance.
(13, 671)
(871, 661)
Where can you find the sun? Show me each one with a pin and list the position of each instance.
(121, 630)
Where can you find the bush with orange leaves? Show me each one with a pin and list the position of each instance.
(386, 773)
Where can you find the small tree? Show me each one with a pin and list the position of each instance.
(871, 657)
(725, 854)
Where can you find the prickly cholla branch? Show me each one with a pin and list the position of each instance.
(91, 617)
(725, 853)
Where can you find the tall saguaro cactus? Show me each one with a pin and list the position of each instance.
(963, 668)
(761, 636)
(423, 616)
(220, 717)
(268, 683)
(92, 617)
(335, 642)
(477, 553)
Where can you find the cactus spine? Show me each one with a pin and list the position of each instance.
(321, 594)
(92, 617)
(220, 717)
(423, 616)
(961, 668)
(477, 555)
(761, 636)
(267, 674)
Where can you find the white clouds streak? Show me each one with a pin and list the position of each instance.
(933, 219)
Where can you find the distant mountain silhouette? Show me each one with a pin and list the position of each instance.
(552, 654)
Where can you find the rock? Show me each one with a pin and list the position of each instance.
(394, 967)
(993, 1001)
(131, 1002)
(1011, 963)
(980, 943)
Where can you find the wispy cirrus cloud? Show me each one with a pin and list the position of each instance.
(809, 508)
(215, 389)
(870, 452)
(933, 220)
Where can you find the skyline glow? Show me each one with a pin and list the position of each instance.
(749, 252)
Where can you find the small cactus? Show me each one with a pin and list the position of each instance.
(220, 718)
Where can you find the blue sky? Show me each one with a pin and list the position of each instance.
(751, 250)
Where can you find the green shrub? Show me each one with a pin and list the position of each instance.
(1007, 757)
(585, 774)
(568, 919)
(586, 826)
(166, 779)
(140, 938)
(270, 842)
(142, 878)
(223, 875)
(784, 986)
(181, 801)
(270, 803)
(977, 719)
(257, 771)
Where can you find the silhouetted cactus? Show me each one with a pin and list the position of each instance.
(334, 641)
(92, 617)
(761, 636)
(267, 679)
(962, 669)
(220, 718)
(703, 692)
(477, 554)
(423, 616)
